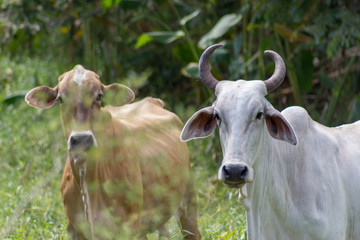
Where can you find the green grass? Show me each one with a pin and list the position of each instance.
(31, 166)
(221, 215)
(33, 151)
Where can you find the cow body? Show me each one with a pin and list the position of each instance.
(127, 172)
(297, 179)
(309, 191)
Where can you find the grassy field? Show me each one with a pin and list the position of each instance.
(33, 151)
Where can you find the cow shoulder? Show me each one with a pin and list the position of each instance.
(153, 109)
(148, 112)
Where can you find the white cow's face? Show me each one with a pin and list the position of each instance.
(239, 111)
(243, 116)
(245, 119)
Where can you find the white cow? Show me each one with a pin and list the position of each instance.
(298, 179)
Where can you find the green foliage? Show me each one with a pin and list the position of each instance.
(191, 71)
(31, 158)
(153, 47)
(189, 17)
(109, 3)
(31, 164)
(221, 27)
(221, 215)
(335, 29)
(162, 37)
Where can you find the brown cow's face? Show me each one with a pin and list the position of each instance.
(81, 95)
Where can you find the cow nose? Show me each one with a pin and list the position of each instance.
(235, 173)
(81, 140)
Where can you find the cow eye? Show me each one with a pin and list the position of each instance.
(259, 115)
(99, 97)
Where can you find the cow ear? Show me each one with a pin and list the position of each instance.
(41, 97)
(117, 95)
(200, 125)
(278, 127)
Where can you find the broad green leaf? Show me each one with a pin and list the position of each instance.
(109, 3)
(191, 70)
(221, 27)
(106, 3)
(162, 37)
(187, 18)
(165, 37)
(142, 40)
(12, 98)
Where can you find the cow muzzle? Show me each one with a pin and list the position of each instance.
(81, 141)
(235, 175)
(79, 144)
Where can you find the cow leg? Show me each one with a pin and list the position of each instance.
(188, 218)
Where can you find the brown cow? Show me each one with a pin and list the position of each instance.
(127, 172)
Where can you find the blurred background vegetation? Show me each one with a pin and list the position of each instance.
(153, 47)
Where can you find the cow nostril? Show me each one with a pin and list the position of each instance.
(244, 172)
(81, 141)
(235, 173)
(73, 141)
(226, 172)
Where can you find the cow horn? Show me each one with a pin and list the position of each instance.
(279, 73)
(204, 68)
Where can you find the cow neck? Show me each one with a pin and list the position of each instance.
(102, 168)
(90, 172)
(104, 162)
(268, 191)
(95, 172)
